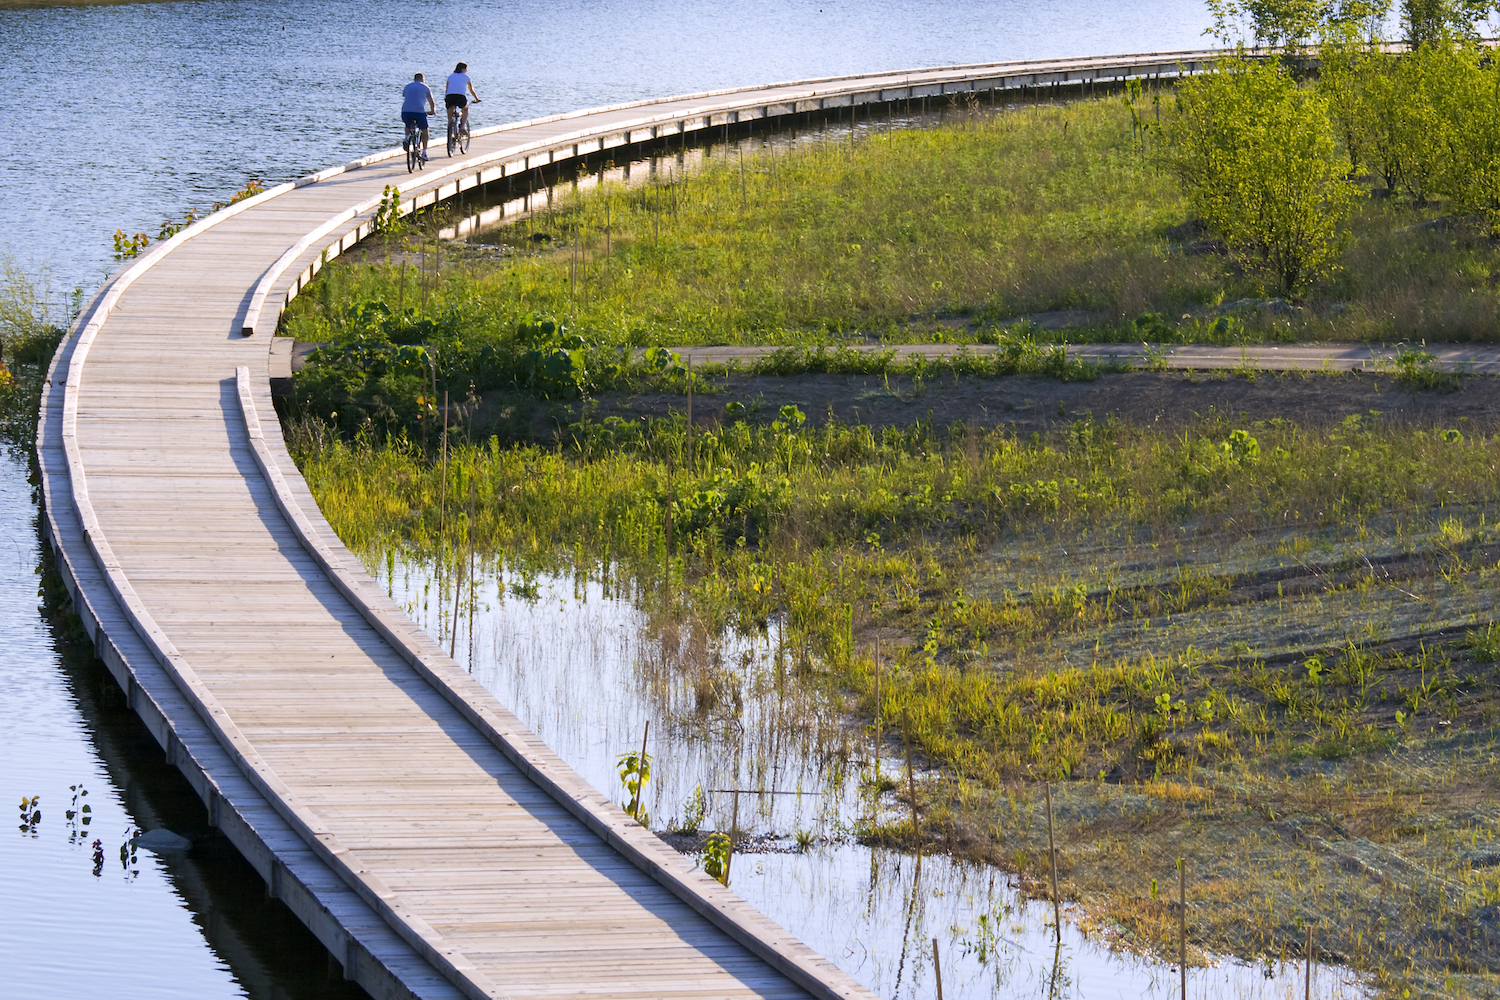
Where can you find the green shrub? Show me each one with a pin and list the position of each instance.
(1256, 155)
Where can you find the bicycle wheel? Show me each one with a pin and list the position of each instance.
(413, 146)
(463, 140)
(452, 134)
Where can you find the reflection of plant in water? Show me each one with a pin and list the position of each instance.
(31, 814)
(716, 856)
(79, 813)
(635, 771)
(128, 851)
(98, 858)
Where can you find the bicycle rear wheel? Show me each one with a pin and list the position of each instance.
(452, 134)
(413, 146)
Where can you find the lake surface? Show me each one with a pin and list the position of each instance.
(136, 112)
(141, 111)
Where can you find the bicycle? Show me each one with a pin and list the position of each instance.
(458, 133)
(413, 147)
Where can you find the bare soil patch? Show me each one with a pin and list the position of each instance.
(1162, 399)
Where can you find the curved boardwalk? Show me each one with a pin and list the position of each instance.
(429, 839)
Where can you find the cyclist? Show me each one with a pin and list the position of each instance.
(456, 100)
(416, 104)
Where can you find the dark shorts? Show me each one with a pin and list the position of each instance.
(455, 101)
(418, 118)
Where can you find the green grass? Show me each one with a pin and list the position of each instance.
(901, 534)
(29, 335)
(1007, 214)
(1179, 623)
(1010, 213)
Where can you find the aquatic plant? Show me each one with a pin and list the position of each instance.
(635, 771)
(716, 857)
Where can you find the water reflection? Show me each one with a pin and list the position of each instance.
(579, 661)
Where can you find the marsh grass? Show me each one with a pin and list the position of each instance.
(1233, 636)
(31, 327)
(852, 534)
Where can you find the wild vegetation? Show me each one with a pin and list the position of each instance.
(1167, 217)
(30, 330)
(1265, 645)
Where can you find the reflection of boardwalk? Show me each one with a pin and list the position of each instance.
(432, 842)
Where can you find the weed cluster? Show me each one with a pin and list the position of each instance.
(30, 330)
(851, 533)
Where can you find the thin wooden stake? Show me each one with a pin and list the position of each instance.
(443, 504)
(911, 781)
(876, 748)
(640, 773)
(1182, 923)
(1307, 966)
(667, 540)
(1052, 854)
(937, 969)
(471, 579)
(458, 583)
(734, 826)
(692, 457)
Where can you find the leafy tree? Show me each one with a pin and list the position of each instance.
(1271, 22)
(1463, 143)
(1344, 78)
(1415, 118)
(1292, 23)
(1427, 21)
(1257, 157)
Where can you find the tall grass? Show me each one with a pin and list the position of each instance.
(1048, 209)
(31, 327)
(853, 533)
(906, 234)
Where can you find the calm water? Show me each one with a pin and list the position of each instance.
(143, 110)
(137, 112)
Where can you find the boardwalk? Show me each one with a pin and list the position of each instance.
(436, 846)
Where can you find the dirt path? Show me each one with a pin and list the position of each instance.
(1025, 403)
(1478, 359)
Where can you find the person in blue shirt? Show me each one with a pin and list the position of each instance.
(416, 105)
